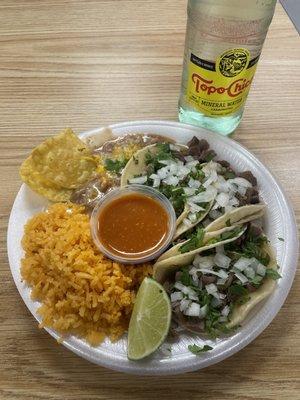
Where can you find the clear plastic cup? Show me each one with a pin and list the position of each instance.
(117, 193)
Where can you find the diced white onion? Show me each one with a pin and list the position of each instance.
(222, 185)
(162, 172)
(223, 319)
(211, 288)
(192, 164)
(226, 310)
(240, 276)
(233, 201)
(156, 182)
(205, 262)
(193, 310)
(221, 260)
(223, 274)
(261, 270)
(240, 182)
(192, 183)
(195, 208)
(193, 271)
(174, 169)
(209, 167)
(189, 158)
(222, 199)
(220, 274)
(242, 263)
(189, 191)
(176, 296)
(203, 311)
(192, 217)
(249, 272)
(213, 177)
(183, 172)
(184, 304)
(139, 180)
(178, 285)
(204, 197)
(254, 263)
(242, 190)
(166, 162)
(188, 291)
(171, 180)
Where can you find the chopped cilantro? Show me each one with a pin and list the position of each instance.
(115, 165)
(176, 196)
(230, 234)
(252, 247)
(185, 277)
(149, 158)
(272, 273)
(281, 239)
(209, 156)
(212, 241)
(238, 293)
(228, 223)
(194, 242)
(198, 175)
(163, 152)
(193, 348)
(229, 175)
(237, 290)
(256, 281)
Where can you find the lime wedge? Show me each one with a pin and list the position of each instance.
(150, 320)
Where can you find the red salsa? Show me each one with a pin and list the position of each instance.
(133, 226)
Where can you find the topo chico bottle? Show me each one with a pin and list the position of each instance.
(224, 39)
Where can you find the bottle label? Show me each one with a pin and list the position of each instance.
(220, 88)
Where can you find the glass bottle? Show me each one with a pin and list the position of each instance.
(224, 39)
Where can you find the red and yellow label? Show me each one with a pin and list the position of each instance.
(220, 88)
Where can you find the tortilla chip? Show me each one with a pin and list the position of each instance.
(41, 186)
(64, 160)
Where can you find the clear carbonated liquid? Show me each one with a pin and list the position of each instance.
(214, 26)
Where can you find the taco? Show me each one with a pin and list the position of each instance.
(226, 223)
(199, 188)
(183, 253)
(214, 291)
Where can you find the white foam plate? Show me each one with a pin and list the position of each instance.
(279, 222)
